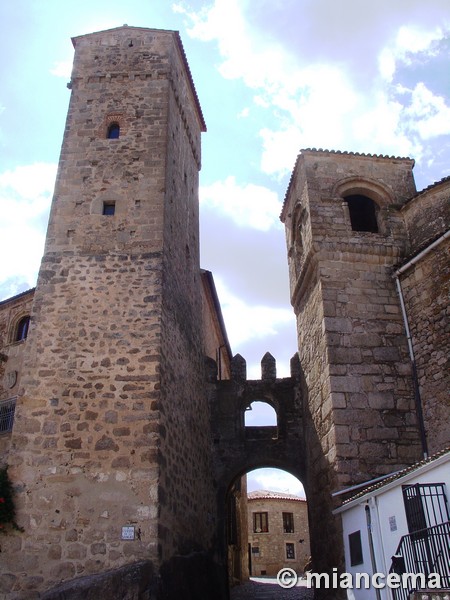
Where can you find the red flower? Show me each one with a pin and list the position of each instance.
(2, 500)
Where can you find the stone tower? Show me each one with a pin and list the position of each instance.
(345, 232)
(109, 449)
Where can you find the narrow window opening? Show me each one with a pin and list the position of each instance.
(290, 550)
(356, 553)
(260, 522)
(362, 211)
(109, 208)
(113, 131)
(22, 329)
(288, 522)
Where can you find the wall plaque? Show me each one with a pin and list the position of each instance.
(10, 379)
(128, 532)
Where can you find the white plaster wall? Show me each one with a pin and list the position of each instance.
(386, 507)
(390, 504)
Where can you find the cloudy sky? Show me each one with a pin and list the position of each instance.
(273, 76)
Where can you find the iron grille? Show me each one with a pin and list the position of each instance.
(424, 551)
(7, 410)
(425, 506)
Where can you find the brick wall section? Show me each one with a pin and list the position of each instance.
(112, 425)
(272, 545)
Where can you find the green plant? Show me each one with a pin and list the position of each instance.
(7, 510)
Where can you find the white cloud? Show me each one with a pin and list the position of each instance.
(247, 322)
(409, 41)
(429, 115)
(25, 196)
(245, 53)
(247, 205)
(62, 68)
(327, 103)
(274, 480)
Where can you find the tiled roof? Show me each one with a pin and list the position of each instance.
(345, 152)
(341, 153)
(432, 185)
(17, 296)
(269, 495)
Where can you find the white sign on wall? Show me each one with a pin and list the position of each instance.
(128, 532)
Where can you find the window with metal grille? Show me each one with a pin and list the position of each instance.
(425, 505)
(260, 522)
(7, 409)
(288, 522)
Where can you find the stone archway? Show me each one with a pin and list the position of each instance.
(238, 449)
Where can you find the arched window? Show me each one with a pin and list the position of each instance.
(22, 329)
(261, 421)
(113, 131)
(260, 414)
(363, 213)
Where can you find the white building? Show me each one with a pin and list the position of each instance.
(399, 525)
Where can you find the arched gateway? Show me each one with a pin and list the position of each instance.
(239, 448)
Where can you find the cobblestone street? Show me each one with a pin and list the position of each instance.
(268, 589)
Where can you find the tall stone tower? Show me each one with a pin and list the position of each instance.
(110, 444)
(345, 232)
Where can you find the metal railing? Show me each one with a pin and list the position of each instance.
(424, 552)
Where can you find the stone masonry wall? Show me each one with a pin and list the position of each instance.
(107, 396)
(367, 357)
(426, 289)
(427, 216)
(11, 354)
(187, 500)
(319, 428)
(271, 555)
(360, 402)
